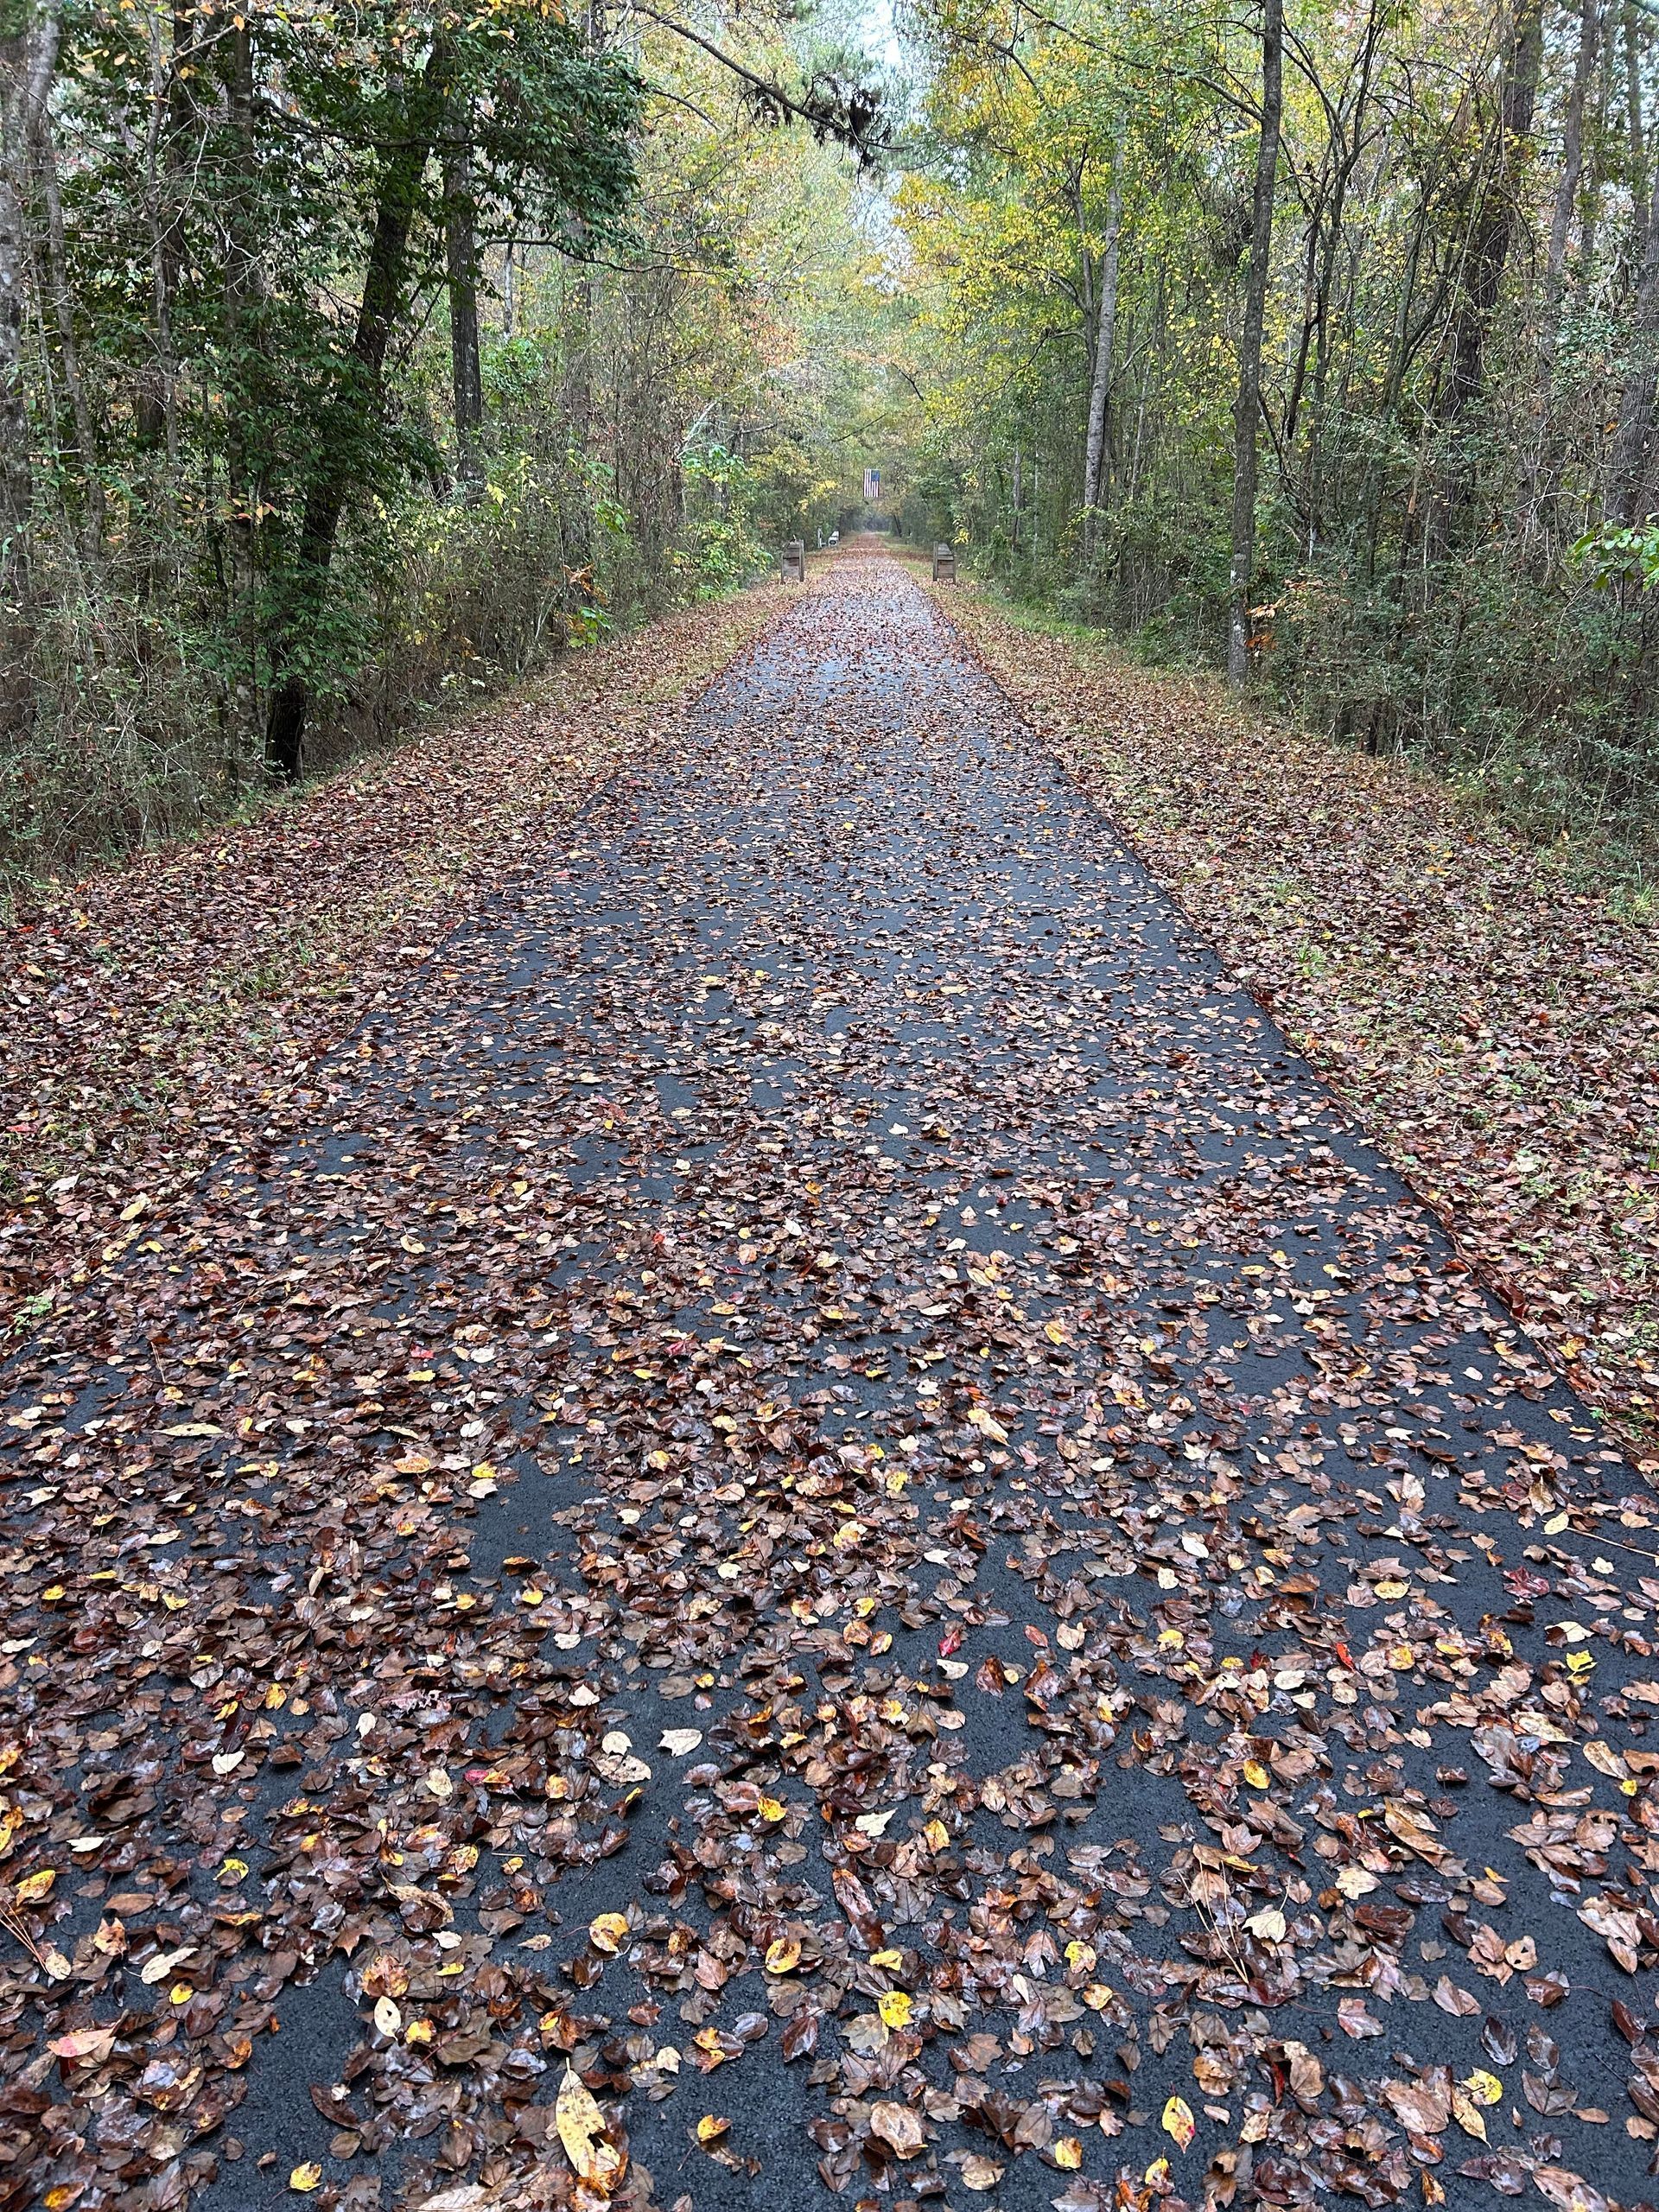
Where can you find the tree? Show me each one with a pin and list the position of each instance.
(29, 58)
(1247, 412)
(518, 115)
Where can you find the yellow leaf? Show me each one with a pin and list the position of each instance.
(1179, 2121)
(307, 2177)
(711, 2127)
(583, 2131)
(891, 1959)
(608, 1932)
(1068, 2154)
(894, 2007)
(1467, 2114)
(783, 1956)
(1485, 2089)
(1256, 1774)
(35, 1886)
(772, 1808)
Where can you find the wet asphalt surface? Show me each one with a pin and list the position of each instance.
(825, 1263)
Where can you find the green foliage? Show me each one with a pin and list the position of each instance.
(1435, 567)
(1628, 555)
(259, 212)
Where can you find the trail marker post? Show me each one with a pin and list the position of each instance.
(795, 561)
(945, 565)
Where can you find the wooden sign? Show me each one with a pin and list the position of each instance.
(945, 565)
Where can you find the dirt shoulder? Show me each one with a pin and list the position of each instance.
(173, 1009)
(1491, 1020)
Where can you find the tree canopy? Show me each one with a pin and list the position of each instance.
(351, 361)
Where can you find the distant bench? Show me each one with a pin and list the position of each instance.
(945, 565)
(795, 561)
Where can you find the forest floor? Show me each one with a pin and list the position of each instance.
(807, 1512)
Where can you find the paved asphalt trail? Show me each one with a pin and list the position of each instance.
(826, 1265)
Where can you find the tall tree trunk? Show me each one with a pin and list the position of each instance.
(1633, 123)
(1499, 213)
(167, 184)
(1590, 196)
(28, 59)
(1497, 218)
(1566, 188)
(357, 398)
(1101, 383)
(1627, 468)
(45, 168)
(578, 339)
(1247, 411)
(460, 248)
(242, 283)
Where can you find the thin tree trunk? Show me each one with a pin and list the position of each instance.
(1101, 383)
(1566, 188)
(330, 488)
(1496, 223)
(28, 59)
(1496, 220)
(46, 168)
(580, 328)
(1633, 112)
(1627, 470)
(16, 477)
(1590, 198)
(242, 298)
(1247, 407)
(461, 249)
(165, 187)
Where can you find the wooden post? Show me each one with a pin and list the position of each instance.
(795, 561)
(945, 565)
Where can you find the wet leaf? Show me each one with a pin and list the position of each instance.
(898, 2127)
(1178, 2120)
(584, 2134)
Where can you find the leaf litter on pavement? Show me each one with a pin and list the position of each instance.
(1489, 1011)
(156, 1009)
(814, 1525)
